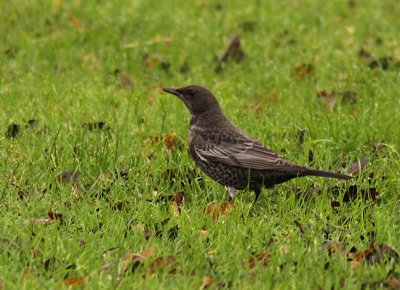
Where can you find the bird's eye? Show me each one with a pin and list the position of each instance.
(191, 92)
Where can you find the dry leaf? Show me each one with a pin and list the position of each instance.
(74, 282)
(374, 254)
(160, 264)
(304, 70)
(170, 141)
(233, 52)
(68, 177)
(356, 167)
(53, 216)
(177, 203)
(206, 282)
(394, 283)
(216, 211)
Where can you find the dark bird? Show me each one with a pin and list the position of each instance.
(229, 155)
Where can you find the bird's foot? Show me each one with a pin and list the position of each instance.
(232, 192)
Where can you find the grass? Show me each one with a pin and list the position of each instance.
(58, 63)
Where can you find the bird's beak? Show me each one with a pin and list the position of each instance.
(171, 91)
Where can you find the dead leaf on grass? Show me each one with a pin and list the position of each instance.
(74, 282)
(177, 203)
(330, 99)
(233, 52)
(54, 216)
(206, 282)
(162, 263)
(220, 211)
(304, 70)
(356, 167)
(372, 255)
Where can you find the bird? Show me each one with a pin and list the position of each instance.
(230, 156)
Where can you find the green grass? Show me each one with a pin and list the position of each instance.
(57, 66)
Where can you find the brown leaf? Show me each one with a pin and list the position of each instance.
(151, 62)
(372, 255)
(120, 205)
(206, 282)
(68, 177)
(133, 261)
(364, 54)
(53, 216)
(304, 70)
(260, 258)
(366, 193)
(335, 247)
(356, 167)
(330, 99)
(233, 52)
(394, 283)
(170, 141)
(74, 282)
(216, 211)
(177, 203)
(74, 20)
(160, 264)
(123, 79)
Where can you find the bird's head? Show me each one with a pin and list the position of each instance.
(197, 99)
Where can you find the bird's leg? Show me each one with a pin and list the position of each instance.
(232, 192)
(257, 192)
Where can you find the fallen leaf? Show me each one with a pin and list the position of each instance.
(74, 282)
(260, 258)
(160, 264)
(53, 216)
(393, 283)
(74, 20)
(304, 70)
(177, 203)
(233, 52)
(334, 247)
(356, 167)
(133, 261)
(372, 255)
(217, 211)
(369, 193)
(330, 99)
(364, 54)
(151, 62)
(206, 282)
(68, 177)
(170, 141)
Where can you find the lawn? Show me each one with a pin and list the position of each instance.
(98, 190)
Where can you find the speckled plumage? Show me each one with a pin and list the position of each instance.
(230, 156)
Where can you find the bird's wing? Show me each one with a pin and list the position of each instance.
(239, 150)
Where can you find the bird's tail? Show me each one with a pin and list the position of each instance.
(315, 172)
